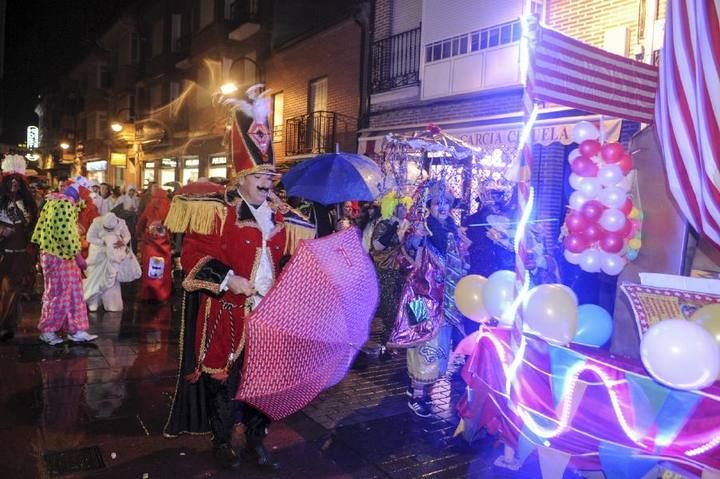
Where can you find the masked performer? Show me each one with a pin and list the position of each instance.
(18, 213)
(420, 325)
(231, 262)
(155, 248)
(56, 233)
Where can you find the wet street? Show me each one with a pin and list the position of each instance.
(98, 410)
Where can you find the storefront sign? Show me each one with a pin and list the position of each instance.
(32, 137)
(96, 165)
(543, 134)
(118, 159)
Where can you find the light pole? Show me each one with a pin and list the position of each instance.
(230, 87)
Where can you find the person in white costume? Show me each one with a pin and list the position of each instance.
(108, 237)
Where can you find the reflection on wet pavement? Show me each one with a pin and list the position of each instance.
(112, 396)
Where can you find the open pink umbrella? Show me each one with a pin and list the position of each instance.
(308, 328)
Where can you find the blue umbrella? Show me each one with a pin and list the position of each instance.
(334, 178)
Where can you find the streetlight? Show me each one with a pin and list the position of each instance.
(228, 88)
(64, 145)
(116, 126)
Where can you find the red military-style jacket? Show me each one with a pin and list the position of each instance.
(235, 245)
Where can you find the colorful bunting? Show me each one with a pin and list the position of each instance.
(553, 462)
(673, 415)
(647, 397)
(561, 361)
(623, 463)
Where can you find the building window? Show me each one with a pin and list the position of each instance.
(102, 125)
(103, 76)
(317, 95)
(218, 167)
(168, 172)
(207, 11)
(157, 38)
(134, 48)
(191, 169)
(156, 96)
(277, 116)
(175, 31)
(490, 37)
(148, 172)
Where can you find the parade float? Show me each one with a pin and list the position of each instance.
(538, 371)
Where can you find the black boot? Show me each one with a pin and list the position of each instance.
(225, 457)
(257, 451)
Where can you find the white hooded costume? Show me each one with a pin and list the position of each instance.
(105, 261)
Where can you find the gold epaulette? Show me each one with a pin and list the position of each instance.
(195, 215)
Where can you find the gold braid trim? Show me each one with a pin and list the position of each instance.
(203, 340)
(191, 284)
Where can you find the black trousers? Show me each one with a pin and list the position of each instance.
(224, 411)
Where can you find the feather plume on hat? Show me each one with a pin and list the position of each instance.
(13, 164)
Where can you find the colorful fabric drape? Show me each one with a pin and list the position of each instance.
(687, 111)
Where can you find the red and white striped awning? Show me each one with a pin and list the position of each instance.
(571, 73)
(688, 110)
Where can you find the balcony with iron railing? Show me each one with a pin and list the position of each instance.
(396, 61)
(319, 132)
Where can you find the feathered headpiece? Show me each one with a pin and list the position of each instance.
(14, 164)
(391, 201)
(250, 136)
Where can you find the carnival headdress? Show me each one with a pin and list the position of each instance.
(250, 141)
(14, 164)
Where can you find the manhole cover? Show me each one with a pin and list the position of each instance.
(74, 460)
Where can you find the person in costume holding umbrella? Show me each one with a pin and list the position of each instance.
(231, 262)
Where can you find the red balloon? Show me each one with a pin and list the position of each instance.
(576, 222)
(627, 207)
(592, 210)
(575, 243)
(612, 152)
(612, 242)
(593, 233)
(625, 163)
(589, 148)
(582, 166)
(627, 230)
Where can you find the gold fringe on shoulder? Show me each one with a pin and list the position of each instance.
(294, 234)
(189, 215)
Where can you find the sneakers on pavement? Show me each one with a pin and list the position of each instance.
(420, 407)
(51, 338)
(82, 337)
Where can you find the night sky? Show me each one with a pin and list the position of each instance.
(44, 40)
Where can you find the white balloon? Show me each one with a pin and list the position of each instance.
(591, 260)
(626, 183)
(576, 200)
(575, 180)
(612, 264)
(680, 354)
(613, 197)
(613, 219)
(610, 175)
(573, 154)
(590, 188)
(584, 130)
(572, 258)
(499, 293)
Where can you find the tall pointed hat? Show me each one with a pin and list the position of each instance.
(250, 142)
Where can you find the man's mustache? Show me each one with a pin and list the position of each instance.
(263, 188)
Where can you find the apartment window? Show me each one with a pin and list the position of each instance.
(229, 9)
(148, 172)
(207, 10)
(175, 31)
(191, 169)
(218, 167)
(103, 76)
(102, 125)
(157, 38)
(278, 105)
(168, 172)
(317, 97)
(491, 37)
(156, 96)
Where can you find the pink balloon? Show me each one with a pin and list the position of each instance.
(593, 233)
(612, 152)
(583, 166)
(627, 230)
(592, 210)
(576, 222)
(590, 148)
(627, 206)
(575, 243)
(611, 242)
(625, 163)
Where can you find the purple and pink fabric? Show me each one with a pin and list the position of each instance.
(589, 408)
(63, 305)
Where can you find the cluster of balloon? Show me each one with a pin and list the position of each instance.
(603, 225)
(481, 299)
(684, 354)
